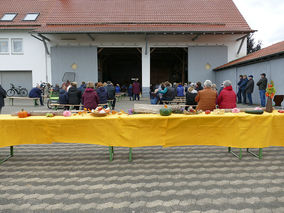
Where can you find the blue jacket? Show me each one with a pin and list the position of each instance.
(63, 97)
(243, 84)
(117, 89)
(102, 93)
(35, 93)
(180, 91)
(130, 91)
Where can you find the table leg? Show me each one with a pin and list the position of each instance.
(236, 155)
(259, 156)
(11, 155)
(111, 153)
(130, 155)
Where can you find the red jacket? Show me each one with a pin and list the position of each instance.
(90, 99)
(227, 98)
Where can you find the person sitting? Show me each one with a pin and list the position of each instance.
(117, 88)
(180, 90)
(153, 95)
(190, 97)
(90, 98)
(74, 95)
(63, 97)
(3, 95)
(36, 93)
(111, 93)
(206, 98)
(168, 93)
(227, 98)
(198, 86)
(82, 87)
(56, 89)
(102, 93)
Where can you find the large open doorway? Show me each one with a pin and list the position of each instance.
(169, 64)
(119, 65)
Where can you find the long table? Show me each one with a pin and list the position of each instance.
(229, 130)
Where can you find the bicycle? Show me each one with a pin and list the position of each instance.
(17, 90)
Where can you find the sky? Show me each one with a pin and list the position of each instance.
(265, 16)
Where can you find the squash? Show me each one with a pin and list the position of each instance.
(257, 112)
(23, 114)
(165, 112)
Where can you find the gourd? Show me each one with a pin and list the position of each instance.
(257, 112)
(23, 114)
(67, 113)
(165, 112)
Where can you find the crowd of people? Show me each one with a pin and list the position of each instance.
(246, 88)
(206, 96)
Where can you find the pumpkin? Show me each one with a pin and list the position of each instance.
(23, 114)
(49, 115)
(165, 112)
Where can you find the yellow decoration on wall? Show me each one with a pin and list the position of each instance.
(208, 66)
(74, 66)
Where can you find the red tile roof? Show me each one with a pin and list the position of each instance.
(129, 15)
(273, 50)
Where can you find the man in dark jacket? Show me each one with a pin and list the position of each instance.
(74, 95)
(249, 88)
(3, 95)
(36, 93)
(239, 94)
(111, 93)
(102, 93)
(243, 88)
(262, 84)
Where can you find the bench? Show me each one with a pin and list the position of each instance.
(119, 96)
(11, 99)
(177, 100)
(71, 106)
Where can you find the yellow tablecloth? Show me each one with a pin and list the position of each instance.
(234, 130)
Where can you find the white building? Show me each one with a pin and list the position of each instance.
(118, 40)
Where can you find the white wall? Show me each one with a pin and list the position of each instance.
(33, 58)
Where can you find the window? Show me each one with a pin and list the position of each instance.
(31, 16)
(17, 46)
(4, 46)
(8, 17)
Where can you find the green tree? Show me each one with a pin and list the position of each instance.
(252, 44)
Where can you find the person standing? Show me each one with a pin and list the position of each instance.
(239, 94)
(136, 90)
(249, 88)
(130, 92)
(3, 95)
(262, 84)
(243, 88)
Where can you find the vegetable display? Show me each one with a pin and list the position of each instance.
(257, 112)
(23, 114)
(165, 111)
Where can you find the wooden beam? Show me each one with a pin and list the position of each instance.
(242, 37)
(138, 49)
(100, 50)
(240, 47)
(153, 49)
(91, 37)
(195, 37)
